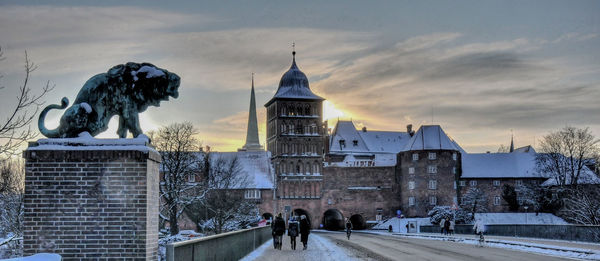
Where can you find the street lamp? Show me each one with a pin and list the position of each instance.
(526, 217)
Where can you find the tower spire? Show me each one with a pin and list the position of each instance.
(512, 144)
(252, 142)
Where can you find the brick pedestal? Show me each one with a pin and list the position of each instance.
(91, 200)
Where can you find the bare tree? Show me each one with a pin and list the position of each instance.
(503, 149)
(582, 206)
(182, 167)
(565, 153)
(15, 128)
(225, 205)
(509, 194)
(474, 201)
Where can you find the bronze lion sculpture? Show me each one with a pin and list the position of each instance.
(125, 90)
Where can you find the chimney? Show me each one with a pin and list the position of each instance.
(364, 129)
(409, 130)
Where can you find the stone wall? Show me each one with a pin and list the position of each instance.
(91, 204)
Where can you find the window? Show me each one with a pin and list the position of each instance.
(455, 200)
(519, 182)
(355, 143)
(496, 183)
(454, 184)
(432, 200)
(432, 184)
(463, 183)
(497, 200)
(411, 170)
(431, 169)
(454, 170)
(415, 156)
(411, 201)
(432, 155)
(473, 183)
(252, 194)
(411, 185)
(534, 182)
(342, 144)
(454, 156)
(191, 178)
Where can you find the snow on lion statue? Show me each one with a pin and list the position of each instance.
(125, 90)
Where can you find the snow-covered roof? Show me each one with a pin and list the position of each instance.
(431, 137)
(381, 145)
(366, 141)
(525, 149)
(519, 218)
(255, 168)
(587, 177)
(499, 165)
(294, 85)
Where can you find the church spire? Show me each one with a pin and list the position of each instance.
(252, 142)
(512, 144)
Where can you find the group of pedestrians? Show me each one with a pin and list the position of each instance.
(447, 226)
(295, 227)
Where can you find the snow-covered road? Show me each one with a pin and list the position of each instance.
(319, 248)
(362, 246)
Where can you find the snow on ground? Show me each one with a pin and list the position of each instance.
(38, 257)
(524, 246)
(519, 218)
(319, 248)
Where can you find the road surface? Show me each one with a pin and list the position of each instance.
(335, 246)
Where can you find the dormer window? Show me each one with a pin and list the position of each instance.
(355, 143)
(342, 144)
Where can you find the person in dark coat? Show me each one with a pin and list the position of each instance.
(446, 226)
(304, 231)
(293, 231)
(277, 230)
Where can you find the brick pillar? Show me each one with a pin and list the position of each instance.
(91, 202)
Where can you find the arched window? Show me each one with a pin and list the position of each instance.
(291, 169)
(307, 168)
(315, 168)
(298, 171)
(307, 110)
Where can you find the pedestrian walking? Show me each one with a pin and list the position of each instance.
(479, 228)
(277, 230)
(406, 227)
(348, 228)
(442, 225)
(452, 223)
(390, 228)
(446, 226)
(304, 231)
(293, 231)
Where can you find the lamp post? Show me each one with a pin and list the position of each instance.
(526, 216)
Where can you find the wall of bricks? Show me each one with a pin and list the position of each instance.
(91, 204)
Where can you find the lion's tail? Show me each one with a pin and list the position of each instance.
(46, 132)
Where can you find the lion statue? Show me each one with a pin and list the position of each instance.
(125, 90)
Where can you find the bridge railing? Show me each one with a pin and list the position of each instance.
(227, 246)
(560, 232)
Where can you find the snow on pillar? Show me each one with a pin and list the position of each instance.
(89, 198)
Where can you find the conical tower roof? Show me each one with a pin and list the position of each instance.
(431, 137)
(252, 141)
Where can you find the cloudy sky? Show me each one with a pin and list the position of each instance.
(478, 68)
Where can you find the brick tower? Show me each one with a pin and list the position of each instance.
(295, 138)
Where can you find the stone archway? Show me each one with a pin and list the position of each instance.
(299, 212)
(333, 219)
(267, 216)
(358, 222)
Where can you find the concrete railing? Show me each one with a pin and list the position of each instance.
(560, 232)
(227, 246)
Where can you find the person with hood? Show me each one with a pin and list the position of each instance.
(293, 231)
(479, 228)
(452, 223)
(304, 231)
(446, 226)
(277, 230)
